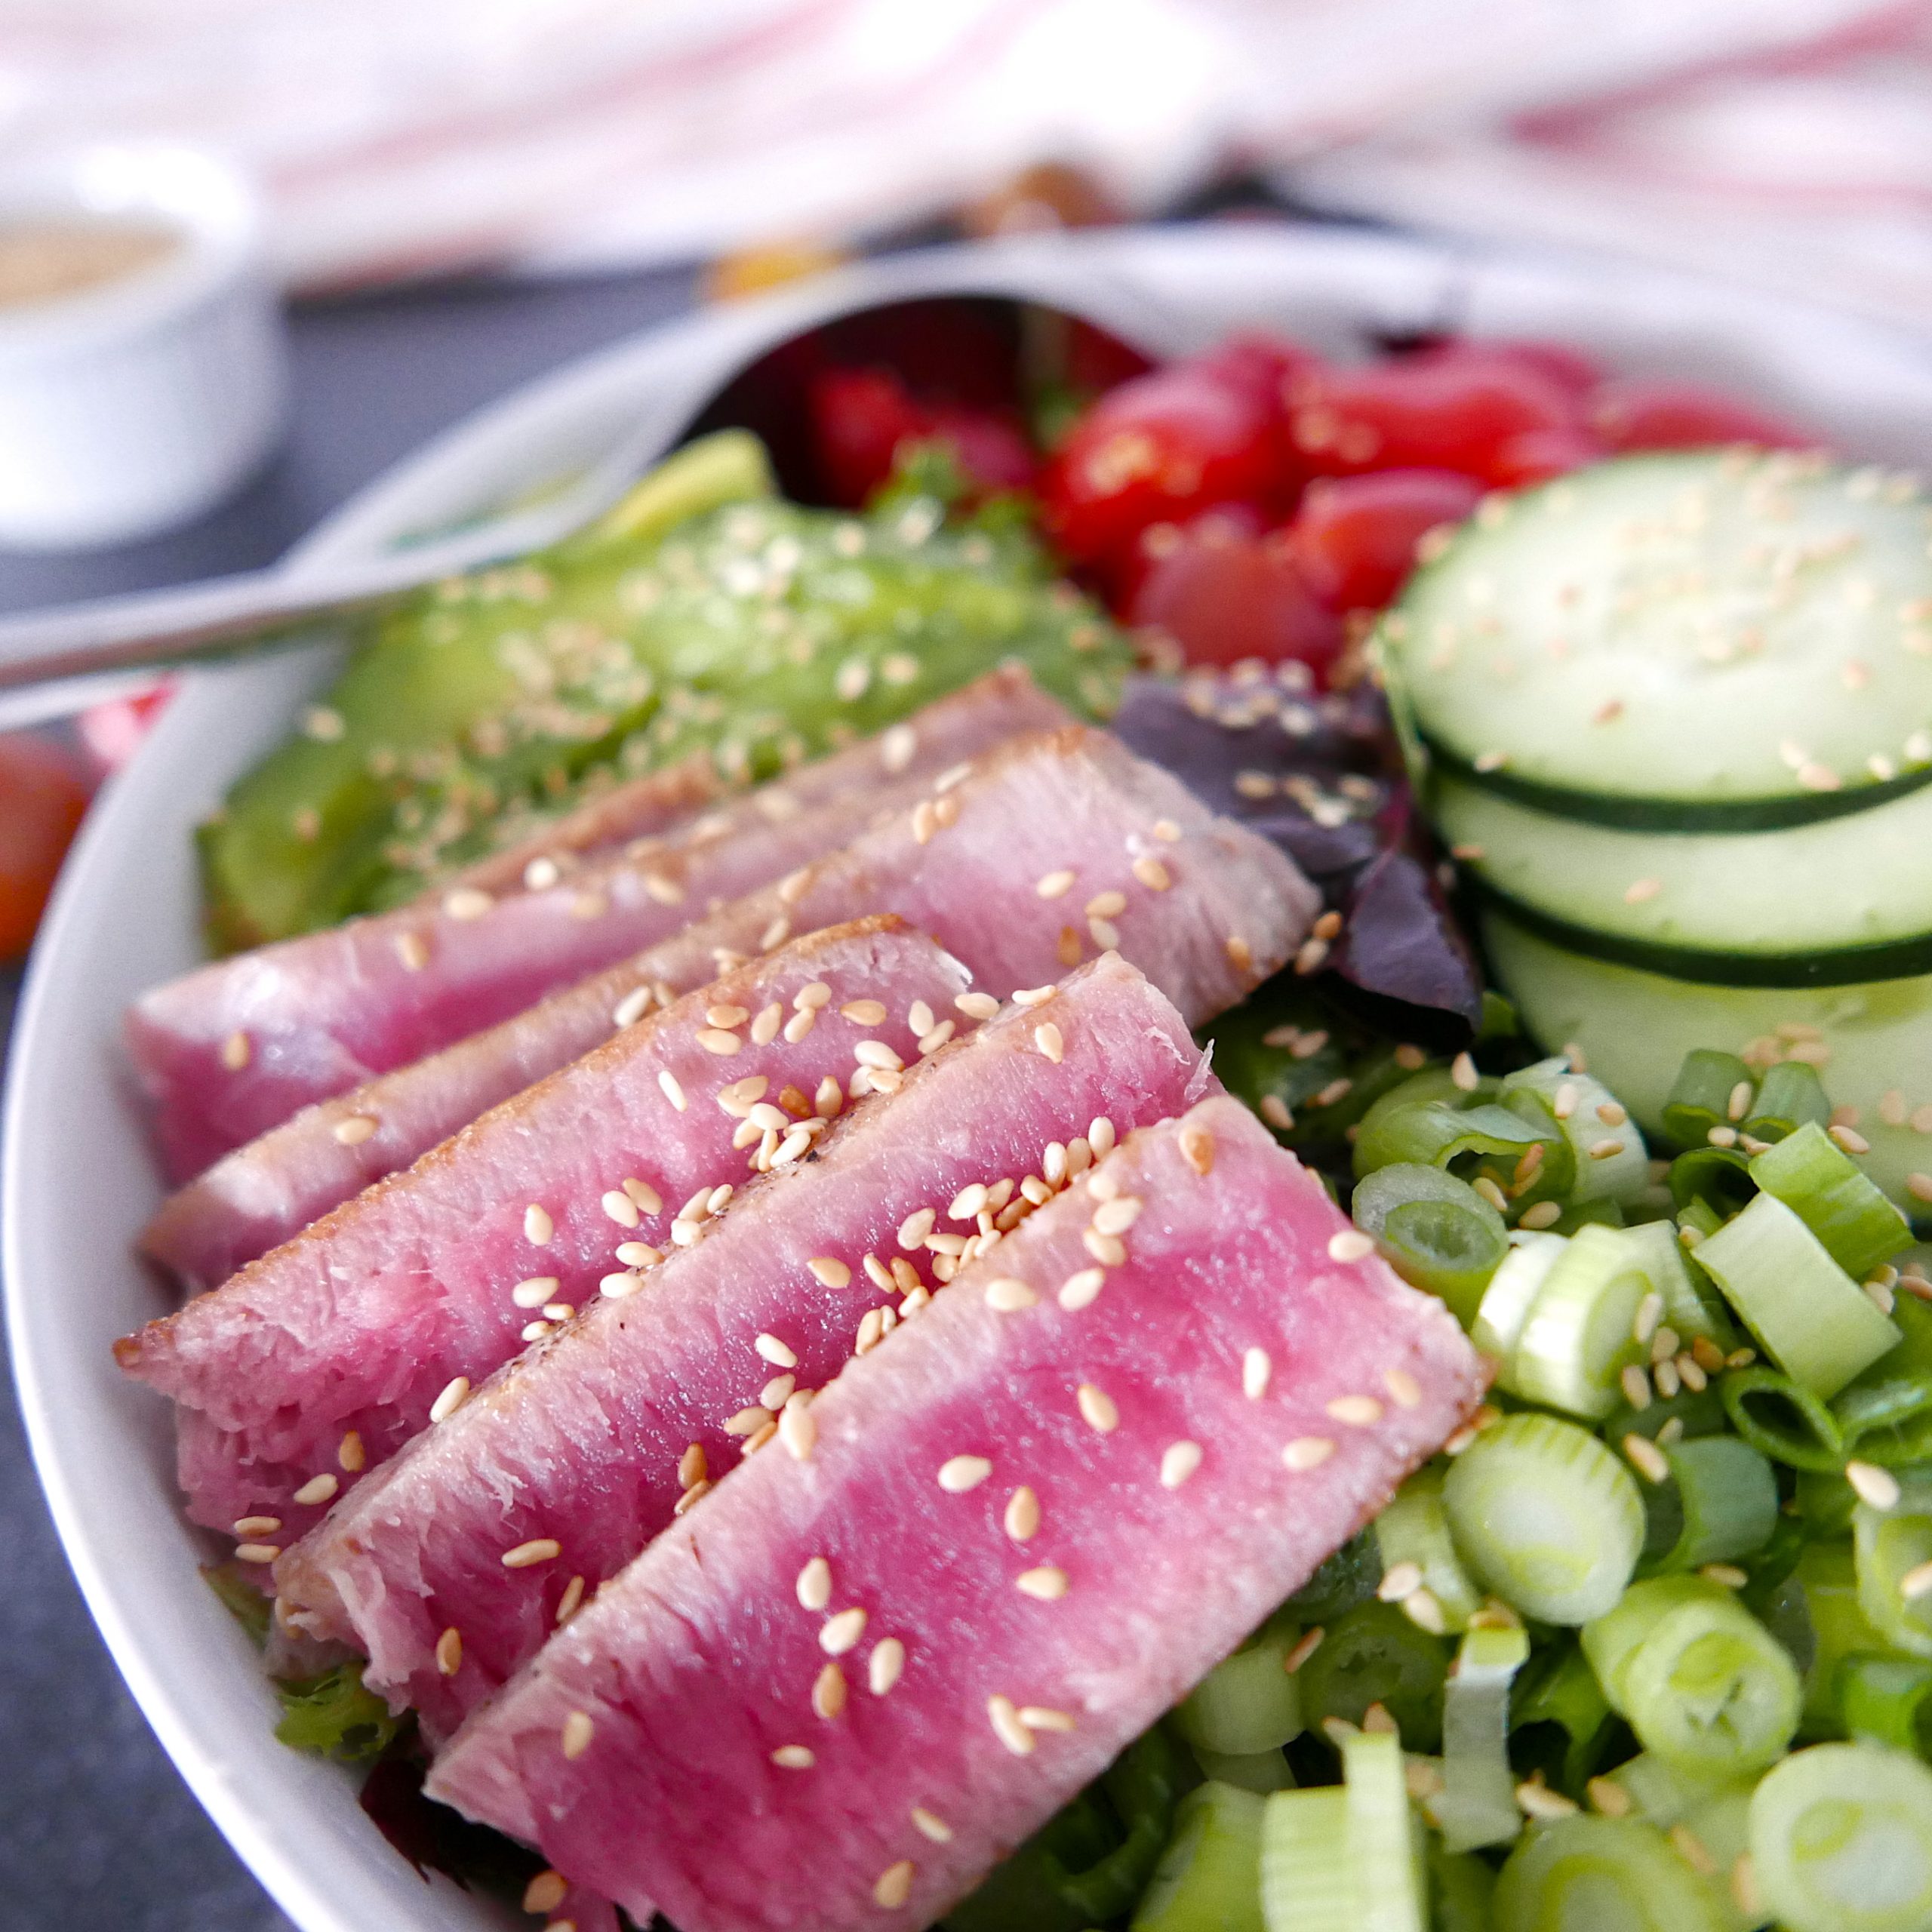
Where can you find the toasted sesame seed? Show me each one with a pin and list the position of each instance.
(1197, 1148)
(1358, 1411)
(575, 1739)
(797, 1429)
(1256, 1368)
(1462, 1073)
(935, 1828)
(1007, 1727)
(1646, 1457)
(1108, 905)
(673, 1090)
(1007, 1295)
(1022, 1520)
(456, 1392)
(717, 1040)
(1077, 1291)
(1039, 1717)
(1098, 1409)
(1034, 995)
(828, 1691)
(256, 1526)
(959, 1474)
(1916, 1582)
(354, 1129)
(544, 1893)
(794, 1757)
(318, 1489)
(1878, 1488)
(1116, 1216)
(777, 1392)
(1537, 1800)
(1605, 1150)
(236, 1052)
(1541, 1214)
(976, 1006)
(1046, 1037)
(1351, 1244)
(1055, 884)
(1402, 1388)
(885, 1667)
(1306, 1452)
(449, 1651)
(1048, 1584)
(538, 1549)
(750, 1421)
(914, 1229)
(893, 1886)
(619, 1207)
(1108, 1249)
(779, 1354)
(1311, 1642)
(350, 1454)
(567, 1604)
(1179, 1461)
(1636, 1387)
(1241, 954)
(839, 1634)
(258, 1552)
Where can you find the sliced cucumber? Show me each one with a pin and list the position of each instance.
(1842, 885)
(1704, 636)
(1872, 1042)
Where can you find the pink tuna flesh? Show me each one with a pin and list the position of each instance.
(1003, 867)
(1041, 1517)
(597, 1437)
(363, 1322)
(234, 1048)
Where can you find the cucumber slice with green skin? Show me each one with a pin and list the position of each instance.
(1851, 885)
(1703, 632)
(1634, 1027)
(1209, 1877)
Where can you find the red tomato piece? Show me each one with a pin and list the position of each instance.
(1096, 361)
(1223, 596)
(1159, 449)
(1572, 371)
(1539, 454)
(1639, 415)
(991, 450)
(860, 417)
(41, 801)
(112, 731)
(1354, 537)
(1424, 413)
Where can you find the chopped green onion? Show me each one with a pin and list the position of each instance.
(1886, 1700)
(1546, 1517)
(1612, 1163)
(1894, 1551)
(1413, 1529)
(1852, 1216)
(1601, 1875)
(1790, 1096)
(1726, 1501)
(1209, 1877)
(1436, 1231)
(1662, 1792)
(1383, 1846)
(334, 1714)
(1825, 1502)
(1505, 1307)
(1712, 1838)
(1782, 1419)
(1262, 1771)
(1835, 1628)
(1706, 1094)
(1811, 1317)
(1885, 1415)
(1438, 1134)
(1374, 1654)
(1841, 1840)
(1477, 1805)
(1345, 1578)
(1581, 1332)
(1461, 1891)
(1690, 1305)
(1558, 1688)
(1308, 1876)
(1720, 1177)
(1434, 1086)
(1248, 1702)
(1698, 1679)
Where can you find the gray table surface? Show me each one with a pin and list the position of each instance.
(97, 1831)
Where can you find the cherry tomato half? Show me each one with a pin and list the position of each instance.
(860, 417)
(1426, 412)
(1354, 537)
(1223, 595)
(41, 801)
(1159, 449)
(1571, 371)
(1537, 455)
(1677, 416)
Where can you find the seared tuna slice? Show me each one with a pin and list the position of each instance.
(852, 1679)
(382, 1315)
(589, 1444)
(232, 1049)
(1050, 850)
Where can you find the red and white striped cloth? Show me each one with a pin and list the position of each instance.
(404, 136)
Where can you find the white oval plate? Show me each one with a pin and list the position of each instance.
(77, 1183)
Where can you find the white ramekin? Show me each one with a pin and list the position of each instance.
(132, 406)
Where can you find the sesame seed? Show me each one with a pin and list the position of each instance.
(1241, 954)
(1116, 1216)
(1358, 1411)
(258, 1552)
(1398, 1581)
(1462, 1073)
(885, 1667)
(350, 1454)
(1098, 1409)
(1007, 1295)
(1034, 995)
(1351, 1244)
(1022, 1520)
(257, 1526)
(673, 1091)
(794, 1757)
(1916, 1582)
(749, 1421)
(620, 1207)
(959, 1474)
(1077, 1291)
(1878, 1488)
(976, 1006)
(544, 1893)
(1039, 1717)
(236, 1052)
(1605, 1150)
(1638, 891)
(797, 1429)
(935, 1828)
(1256, 1368)
(1403, 1388)
(455, 1394)
(575, 1739)
(567, 1604)
(1167, 831)
(1636, 1386)
(828, 1691)
(1179, 1461)
(317, 1489)
(776, 1352)
(1646, 1457)
(1108, 1249)
(1046, 1037)
(777, 1392)
(839, 1634)
(1007, 1727)
(1048, 1584)
(352, 1131)
(1055, 884)
(1108, 905)
(1537, 1800)
(1307, 1452)
(894, 1885)
(538, 1549)
(914, 1229)
(717, 1040)
(449, 1651)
